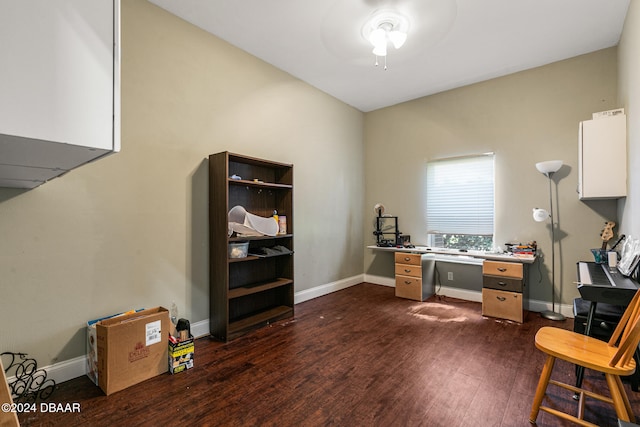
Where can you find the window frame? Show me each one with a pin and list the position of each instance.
(451, 185)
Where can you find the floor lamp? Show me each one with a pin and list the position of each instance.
(548, 168)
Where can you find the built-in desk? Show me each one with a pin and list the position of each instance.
(503, 277)
(456, 256)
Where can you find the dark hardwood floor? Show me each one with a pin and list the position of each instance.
(357, 357)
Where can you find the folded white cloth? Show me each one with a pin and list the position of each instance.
(248, 224)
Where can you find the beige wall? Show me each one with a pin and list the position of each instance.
(629, 94)
(131, 230)
(524, 118)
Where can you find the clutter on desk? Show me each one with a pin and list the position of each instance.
(528, 249)
(387, 233)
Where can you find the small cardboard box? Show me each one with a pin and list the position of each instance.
(92, 347)
(181, 355)
(132, 348)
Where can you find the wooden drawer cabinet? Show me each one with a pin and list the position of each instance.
(502, 269)
(502, 283)
(408, 270)
(502, 289)
(502, 304)
(409, 287)
(405, 258)
(414, 276)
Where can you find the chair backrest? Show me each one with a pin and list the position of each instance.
(627, 334)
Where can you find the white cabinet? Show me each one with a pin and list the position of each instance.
(602, 158)
(60, 86)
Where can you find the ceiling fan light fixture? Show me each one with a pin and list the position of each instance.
(380, 49)
(383, 28)
(397, 38)
(377, 37)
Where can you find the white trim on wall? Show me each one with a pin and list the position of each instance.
(321, 290)
(77, 367)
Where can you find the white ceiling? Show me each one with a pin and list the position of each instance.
(451, 43)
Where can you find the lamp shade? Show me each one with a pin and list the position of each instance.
(550, 166)
(540, 214)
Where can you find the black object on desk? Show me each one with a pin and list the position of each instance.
(597, 283)
(387, 225)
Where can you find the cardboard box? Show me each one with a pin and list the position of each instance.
(92, 347)
(181, 355)
(132, 348)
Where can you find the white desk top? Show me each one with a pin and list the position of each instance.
(453, 255)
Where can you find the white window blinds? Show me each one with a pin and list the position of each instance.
(460, 195)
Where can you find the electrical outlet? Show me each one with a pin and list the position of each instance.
(450, 275)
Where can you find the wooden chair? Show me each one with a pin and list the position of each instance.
(613, 358)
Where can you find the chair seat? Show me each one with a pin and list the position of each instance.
(582, 350)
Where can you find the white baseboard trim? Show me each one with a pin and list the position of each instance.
(380, 280)
(63, 371)
(200, 329)
(77, 367)
(321, 290)
(538, 306)
(464, 294)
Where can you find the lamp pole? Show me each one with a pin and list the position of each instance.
(552, 315)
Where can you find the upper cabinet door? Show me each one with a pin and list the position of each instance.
(58, 71)
(602, 163)
(59, 87)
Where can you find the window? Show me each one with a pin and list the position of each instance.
(460, 202)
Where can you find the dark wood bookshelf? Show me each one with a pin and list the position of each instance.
(250, 292)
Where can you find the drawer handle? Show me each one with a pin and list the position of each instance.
(407, 258)
(501, 298)
(407, 282)
(502, 284)
(406, 270)
(502, 269)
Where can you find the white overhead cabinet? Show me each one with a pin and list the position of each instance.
(602, 158)
(59, 87)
